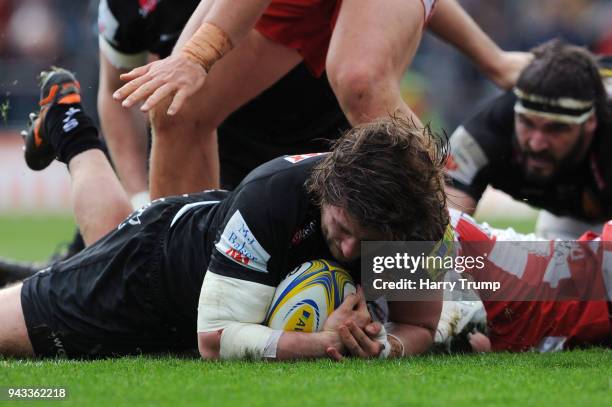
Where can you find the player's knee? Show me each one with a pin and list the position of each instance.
(358, 87)
(189, 121)
(161, 122)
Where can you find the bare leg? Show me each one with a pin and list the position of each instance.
(14, 339)
(184, 156)
(99, 204)
(98, 200)
(125, 131)
(370, 49)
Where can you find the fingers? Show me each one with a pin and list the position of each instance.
(135, 78)
(373, 328)
(361, 302)
(128, 89)
(135, 73)
(349, 340)
(360, 293)
(157, 96)
(361, 312)
(154, 82)
(145, 91)
(178, 101)
(368, 346)
(349, 303)
(334, 354)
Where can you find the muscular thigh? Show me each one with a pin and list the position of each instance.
(110, 298)
(369, 31)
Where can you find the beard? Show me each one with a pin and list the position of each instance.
(561, 166)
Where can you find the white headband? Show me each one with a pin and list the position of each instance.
(563, 109)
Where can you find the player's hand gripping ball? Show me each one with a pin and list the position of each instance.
(308, 295)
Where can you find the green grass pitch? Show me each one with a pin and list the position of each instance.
(578, 378)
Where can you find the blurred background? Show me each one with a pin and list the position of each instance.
(442, 86)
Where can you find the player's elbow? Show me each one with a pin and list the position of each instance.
(209, 345)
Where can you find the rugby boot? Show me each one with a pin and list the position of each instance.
(57, 87)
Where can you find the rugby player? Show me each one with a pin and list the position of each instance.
(298, 114)
(517, 323)
(553, 295)
(137, 286)
(268, 38)
(545, 143)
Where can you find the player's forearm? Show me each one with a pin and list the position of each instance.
(195, 21)
(225, 24)
(414, 323)
(235, 21)
(287, 346)
(236, 18)
(302, 345)
(415, 339)
(452, 24)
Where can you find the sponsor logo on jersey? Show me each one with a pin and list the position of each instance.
(60, 350)
(294, 159)
(467, 157)
(134, 218)
(147, 6)
(238, 243)
(451, 165)
(303, 233)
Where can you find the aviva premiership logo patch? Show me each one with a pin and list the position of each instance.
(294, 159)
(238, 243)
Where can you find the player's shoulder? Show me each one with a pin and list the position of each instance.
(288, 168)
(493, 121)
(275, 192)
(485, 137)
(466, 228)
(261, 217)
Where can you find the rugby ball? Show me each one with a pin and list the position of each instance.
(305, 298)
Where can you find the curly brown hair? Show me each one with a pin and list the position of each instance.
(388, 175)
